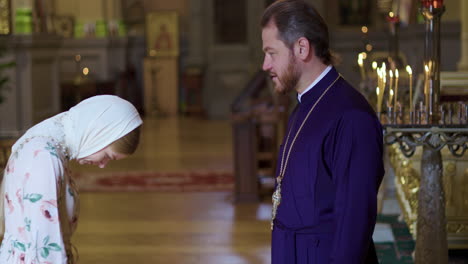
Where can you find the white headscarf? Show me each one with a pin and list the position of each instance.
(88, 127)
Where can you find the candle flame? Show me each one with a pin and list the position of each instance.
(396, 73)
(374, 65)
(359, 61)
(391, 92)
(390, 73)
(408, 69)
(364, 29)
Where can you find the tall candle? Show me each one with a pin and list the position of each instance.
(426, 85)
(384, 77)
(396, 88)
(380, 90)
(361, 66)
(410, 73)
(378, 99)
(390, 97)
(390, 86)
(374, 69)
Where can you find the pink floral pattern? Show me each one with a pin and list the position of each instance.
(10, 168)
(19, 196)
(9, 204)
(49, 210)
(37, 185)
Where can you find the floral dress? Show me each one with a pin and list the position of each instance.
(40, 205)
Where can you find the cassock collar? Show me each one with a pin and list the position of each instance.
(312, 94)
(320, 77)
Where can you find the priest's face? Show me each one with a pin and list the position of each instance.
(279, 61)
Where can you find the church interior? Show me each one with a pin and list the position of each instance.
(198, 189)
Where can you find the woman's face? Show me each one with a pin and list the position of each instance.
(102, 157)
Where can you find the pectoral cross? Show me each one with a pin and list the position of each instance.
(276, 198)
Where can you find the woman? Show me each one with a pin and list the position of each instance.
(40, 200)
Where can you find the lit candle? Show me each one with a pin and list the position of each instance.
(374, 68)
(438, 3)
(390, 72)
(384, 79)
(378, 99)
(396, 88)
(379, 90)
(383, 82)
(379, 78)
(384, 76)
(390, 97)
(426, 84)
(410, 73)
(361, 66)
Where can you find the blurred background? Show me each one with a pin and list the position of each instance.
(198, 188)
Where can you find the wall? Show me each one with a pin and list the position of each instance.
(181, 6)
(452, 10)
(90, 10)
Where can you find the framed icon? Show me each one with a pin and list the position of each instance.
(64, 26)
(162, 34)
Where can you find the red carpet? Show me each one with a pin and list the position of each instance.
(156, 181)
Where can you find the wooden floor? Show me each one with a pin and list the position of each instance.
(173, 228)
(178, 228)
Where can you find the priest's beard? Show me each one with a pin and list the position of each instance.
(290, 78)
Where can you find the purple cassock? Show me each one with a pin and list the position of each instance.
(329, 190)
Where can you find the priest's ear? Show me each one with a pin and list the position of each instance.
(302, 48)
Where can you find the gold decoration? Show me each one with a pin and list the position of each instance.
(457, 228)
(407, 179)
(465, 189)
(64, 26)
(448, 179)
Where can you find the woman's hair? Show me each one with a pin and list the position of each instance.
(127, 144)
(2, 210)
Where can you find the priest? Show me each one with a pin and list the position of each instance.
(330, 164)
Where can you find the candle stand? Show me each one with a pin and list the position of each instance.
(432, 126)
(431, 233)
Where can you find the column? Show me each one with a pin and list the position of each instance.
(196, 33)
(463, 63)
(34, 82)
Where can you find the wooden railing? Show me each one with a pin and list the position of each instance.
(258, 121)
